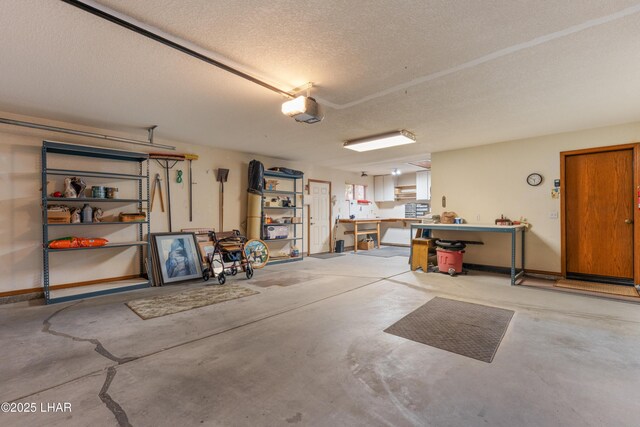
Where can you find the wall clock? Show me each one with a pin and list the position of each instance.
(534, 179)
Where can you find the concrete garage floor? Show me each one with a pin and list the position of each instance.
(313, 353)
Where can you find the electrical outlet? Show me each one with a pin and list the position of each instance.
(478, 217)
(553, 215)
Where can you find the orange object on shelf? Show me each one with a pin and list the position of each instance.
(77, 242)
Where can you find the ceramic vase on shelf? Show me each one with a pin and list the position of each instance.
(87, 213)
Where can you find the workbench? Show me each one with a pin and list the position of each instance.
(367, 231)
(361, 232)
(510, 229)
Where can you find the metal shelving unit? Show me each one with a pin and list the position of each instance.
(67, 292)
(295, 183)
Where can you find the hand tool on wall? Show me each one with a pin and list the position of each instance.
(222, 178)
(157, 185)
(335, 234)
(190, 158)
(164, 161)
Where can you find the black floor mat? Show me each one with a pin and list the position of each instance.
(472, 330)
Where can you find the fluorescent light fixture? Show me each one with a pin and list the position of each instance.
(385, 140)
(302, 108)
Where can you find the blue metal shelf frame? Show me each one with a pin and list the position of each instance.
(298, 190)
(92, 200)
(144, 252)
(511, 229)
(99, 223)
(70, 172)
(97, 293)
(283, 260)
(282, 192)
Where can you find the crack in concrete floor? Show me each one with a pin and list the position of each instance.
(112, 405)
(115, 408)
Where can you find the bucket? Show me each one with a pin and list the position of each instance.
(449, 262)
(98, 192)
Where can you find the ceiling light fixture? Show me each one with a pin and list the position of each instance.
(396, 172)
(385, 140)
(363, 174)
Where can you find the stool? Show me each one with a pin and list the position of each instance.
(420, 253)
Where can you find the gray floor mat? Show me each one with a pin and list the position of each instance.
(386, 251)
(472, 330)
(326, 256)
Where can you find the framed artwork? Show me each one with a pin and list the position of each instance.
(257, 253)
(177, 257)
(206, 248)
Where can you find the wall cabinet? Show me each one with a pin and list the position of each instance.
(423, 185)
(384, 188)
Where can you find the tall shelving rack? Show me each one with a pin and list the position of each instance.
(296, 210)
(141, 202)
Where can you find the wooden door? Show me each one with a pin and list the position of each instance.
(319, 217)
(599, 211)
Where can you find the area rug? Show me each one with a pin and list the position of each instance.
(148, 308)
(326, 256)
(604, 288)
(471, 330)
(386, 251)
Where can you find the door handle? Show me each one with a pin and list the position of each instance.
(628, 221)
(311, 223)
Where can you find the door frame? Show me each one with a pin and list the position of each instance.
(636, 205)
(309, 181)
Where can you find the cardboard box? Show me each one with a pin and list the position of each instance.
(132, 217)
(364, 245)
(58, 217)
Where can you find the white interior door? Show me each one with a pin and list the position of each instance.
(319, 217)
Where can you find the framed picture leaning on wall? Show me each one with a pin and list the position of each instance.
(177, 257)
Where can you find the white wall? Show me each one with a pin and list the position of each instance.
(489, 180)
(21, 230)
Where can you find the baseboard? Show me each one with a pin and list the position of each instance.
(19, 295)
(18, 292)
(600, 279)
(26, 295)
(549, 275)
(487, 268)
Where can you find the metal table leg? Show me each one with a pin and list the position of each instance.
(513, 257)
(355, 237)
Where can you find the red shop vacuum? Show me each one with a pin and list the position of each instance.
(450, 256)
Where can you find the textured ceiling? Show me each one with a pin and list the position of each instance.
(456, 73)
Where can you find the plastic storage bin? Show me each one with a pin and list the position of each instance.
(277, 232)
(449, 262)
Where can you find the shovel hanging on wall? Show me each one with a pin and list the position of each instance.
(221, 177)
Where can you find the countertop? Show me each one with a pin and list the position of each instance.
(374, 220)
